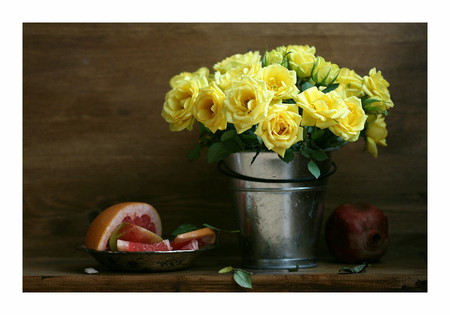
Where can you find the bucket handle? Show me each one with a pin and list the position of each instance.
(225, 169)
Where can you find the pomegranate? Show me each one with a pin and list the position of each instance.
(357, 233)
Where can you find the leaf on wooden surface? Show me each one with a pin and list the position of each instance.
(226, 269)
(242, 278)
(357, 269)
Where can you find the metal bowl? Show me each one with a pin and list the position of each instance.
(147, 261)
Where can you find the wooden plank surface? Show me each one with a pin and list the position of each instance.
(403, 268)
(93, 134)
(212, 282)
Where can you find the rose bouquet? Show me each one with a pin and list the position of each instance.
(287, 100)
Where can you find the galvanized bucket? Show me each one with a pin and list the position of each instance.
(279, 208)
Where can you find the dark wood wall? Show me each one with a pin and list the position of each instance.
(93, 134)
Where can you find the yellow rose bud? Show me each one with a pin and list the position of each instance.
(201, 73)
(246, 103)
(375, 86)
(281, 128)
(349, 127)
(301, 59)
(179, 101)
(301, 48)
(209, 108)
(275, 56)
(376, 134)
(324, 72)
(280, 80)
(350, 83)
(321, 109)
(237, 60)
(225, 80)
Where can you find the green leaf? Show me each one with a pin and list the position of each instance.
(184, 228)
(306, 86)
(317, 133)
(289, 101)
(204, 130)
(369, 101)
(313, 168)
(227, 135)
(305, 153)
(226, 269)
(242, 278)
(375, 110)
(285, 61)
(319, 155)
(255, 156)
(220, 230)
(331, 87)
(356, 269)
(289, 156)
(216, 152)
(264, 60)
(248, 139)
(231, 141)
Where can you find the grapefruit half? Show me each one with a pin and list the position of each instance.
(138, 213)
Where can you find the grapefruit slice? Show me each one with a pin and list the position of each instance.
(128, 246)
(192, 245)
(127, 231)
(138, 213)
(204, 237)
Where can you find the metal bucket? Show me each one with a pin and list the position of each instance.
(279, 208)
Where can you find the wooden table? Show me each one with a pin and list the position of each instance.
(403, 268)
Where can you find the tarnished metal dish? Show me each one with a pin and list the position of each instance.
(147, 261)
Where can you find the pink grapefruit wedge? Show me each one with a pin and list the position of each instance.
(128, 246)
(127, 231)
(204, 237)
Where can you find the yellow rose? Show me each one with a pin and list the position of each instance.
(225, 80)
(246, 103)
(349, 127)
(201, 73)
(321, 109)
(281, 128)
(350, 82)
(324, 72)
(375, 86)
(376, 133)
(209, 108)
(301, 59)
(280, 80)
(179, 101)
(237, 60)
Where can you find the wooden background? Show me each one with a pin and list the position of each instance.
(93, 134)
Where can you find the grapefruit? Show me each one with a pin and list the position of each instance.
(138, 213)
(192, 245)
(127, 231)
(204, 237)
(128, 246)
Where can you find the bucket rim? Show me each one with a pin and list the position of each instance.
(225, 169)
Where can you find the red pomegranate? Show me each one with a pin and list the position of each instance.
(357, 233)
